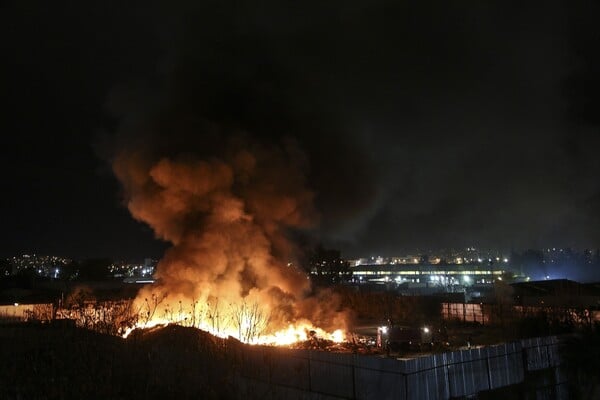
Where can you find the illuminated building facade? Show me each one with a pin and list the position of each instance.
(442, 275)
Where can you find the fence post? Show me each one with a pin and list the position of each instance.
(489, 373)
(354, 376)
(309, 372)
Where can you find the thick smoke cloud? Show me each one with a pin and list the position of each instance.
(422, 124)
(227, 214)
(415, 125)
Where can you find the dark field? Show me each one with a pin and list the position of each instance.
(63, 362)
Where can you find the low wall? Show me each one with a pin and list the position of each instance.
(489, 314)
(25, 312)
(274, 373)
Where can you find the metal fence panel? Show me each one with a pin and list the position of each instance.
(467, 372)
(379, 378)
(332, 373)
(505, 364)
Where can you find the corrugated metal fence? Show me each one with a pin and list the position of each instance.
(273, 373)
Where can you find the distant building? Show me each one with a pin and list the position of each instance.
(436, 275)
(149, 266)
(124, 269)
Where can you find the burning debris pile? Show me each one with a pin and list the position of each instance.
(230, 270)
(352, 344)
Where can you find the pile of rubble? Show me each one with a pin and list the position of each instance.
(355, 344)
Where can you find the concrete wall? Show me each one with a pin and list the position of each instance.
(274, 373)
(24, 312)
(487, 314)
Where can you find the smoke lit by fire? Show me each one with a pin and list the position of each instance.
(227, 216)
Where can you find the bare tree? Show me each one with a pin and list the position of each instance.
(148, 309)
(194, 306)
(79, 296)
(168, 313)
(218, 319)
(250, 320)
(123, 317)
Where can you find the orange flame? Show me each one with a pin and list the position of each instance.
(293, 333)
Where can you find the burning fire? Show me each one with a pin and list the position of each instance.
(248, 322)
(227, 217)
(294, 333)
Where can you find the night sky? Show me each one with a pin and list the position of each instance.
(422, 124)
